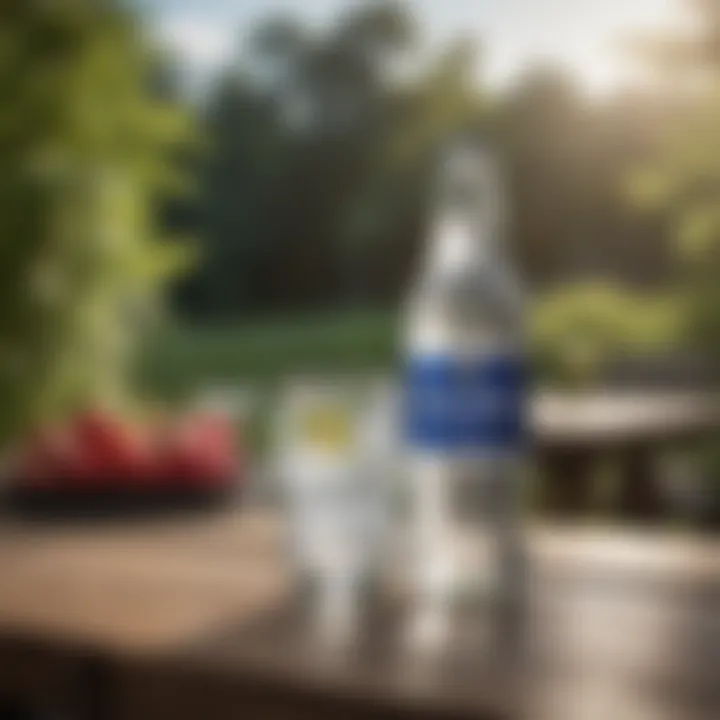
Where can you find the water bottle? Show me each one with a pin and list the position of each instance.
(464, 389)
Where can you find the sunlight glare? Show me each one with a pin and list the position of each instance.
(599, 48)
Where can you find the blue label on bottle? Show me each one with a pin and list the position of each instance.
(465, 404)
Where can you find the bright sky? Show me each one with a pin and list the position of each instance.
(583, 35)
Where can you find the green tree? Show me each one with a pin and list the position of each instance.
(240, 176)
(85, 154)
(321, 143)
(683, 180)
(567, 157)
(545, 126)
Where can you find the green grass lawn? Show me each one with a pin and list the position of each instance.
(181, 359)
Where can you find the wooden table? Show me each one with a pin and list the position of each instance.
(572, 432)
(193, 619)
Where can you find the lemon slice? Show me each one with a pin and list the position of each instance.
(328, 428)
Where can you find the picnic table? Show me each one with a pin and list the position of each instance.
(196, 618)
(573, 432)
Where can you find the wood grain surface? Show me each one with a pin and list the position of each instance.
(195, 618)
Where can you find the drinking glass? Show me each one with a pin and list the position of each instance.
(336, 458)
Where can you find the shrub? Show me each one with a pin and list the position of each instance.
(577, 330)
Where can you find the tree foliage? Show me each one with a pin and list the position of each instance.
(683, 180)
(85, 153)
(320, 146)
(321, 143)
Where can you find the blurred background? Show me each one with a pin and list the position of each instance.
(204, 193)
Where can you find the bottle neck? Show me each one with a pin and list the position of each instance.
(469, 211)
(456, 243)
